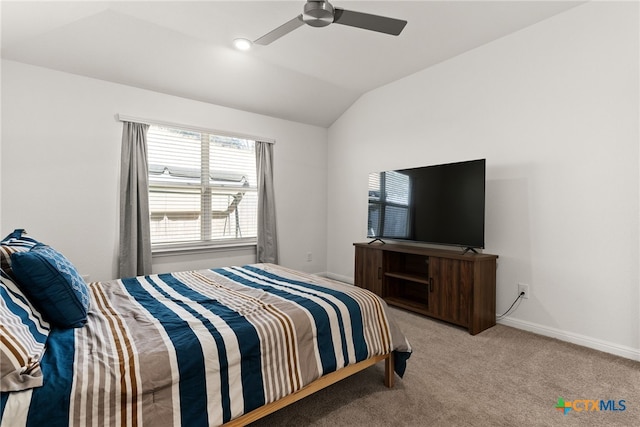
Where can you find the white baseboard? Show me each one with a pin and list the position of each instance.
(585, 341)
(338, 277)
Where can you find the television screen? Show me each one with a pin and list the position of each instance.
(441, 204)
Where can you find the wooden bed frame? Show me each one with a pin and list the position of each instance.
(317, 385)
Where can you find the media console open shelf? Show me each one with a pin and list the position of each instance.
(447, 285)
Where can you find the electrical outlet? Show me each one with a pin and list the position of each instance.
(522, 287)
(309, 257)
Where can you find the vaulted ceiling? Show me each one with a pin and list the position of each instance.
(311, 75)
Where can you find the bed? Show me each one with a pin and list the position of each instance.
(203, 348)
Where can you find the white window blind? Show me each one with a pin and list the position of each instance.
(202, 188)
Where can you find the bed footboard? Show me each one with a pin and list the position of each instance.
(318, 385)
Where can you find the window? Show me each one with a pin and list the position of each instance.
(389, 194)
(202, 189)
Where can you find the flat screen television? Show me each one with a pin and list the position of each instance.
(440, 204)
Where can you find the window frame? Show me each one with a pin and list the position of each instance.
(202, 245)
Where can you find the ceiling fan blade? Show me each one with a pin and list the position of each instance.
(366, 21)
(282, 30)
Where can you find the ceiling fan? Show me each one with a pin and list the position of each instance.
(322, 13)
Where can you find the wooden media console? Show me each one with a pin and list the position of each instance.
(446, 285)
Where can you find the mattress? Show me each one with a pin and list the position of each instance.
(201, 348)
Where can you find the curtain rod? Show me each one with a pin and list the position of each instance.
(123, 118)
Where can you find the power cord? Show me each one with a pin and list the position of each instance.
(514, 303)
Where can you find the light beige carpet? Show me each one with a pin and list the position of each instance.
(500, 377)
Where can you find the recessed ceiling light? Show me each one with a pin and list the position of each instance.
(242, 44)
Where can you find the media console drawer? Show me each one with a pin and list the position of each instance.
(447, 285)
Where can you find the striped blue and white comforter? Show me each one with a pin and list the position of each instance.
(200, 348)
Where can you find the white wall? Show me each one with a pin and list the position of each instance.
(554, 110)
(60, 168)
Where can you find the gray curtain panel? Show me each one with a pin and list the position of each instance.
(135, 235)
(267, 239)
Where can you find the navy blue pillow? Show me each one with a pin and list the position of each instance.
(53, 285)
(14, 242)
(18, 238)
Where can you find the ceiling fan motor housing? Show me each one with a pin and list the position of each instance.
(318, 13)
(322, 13)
